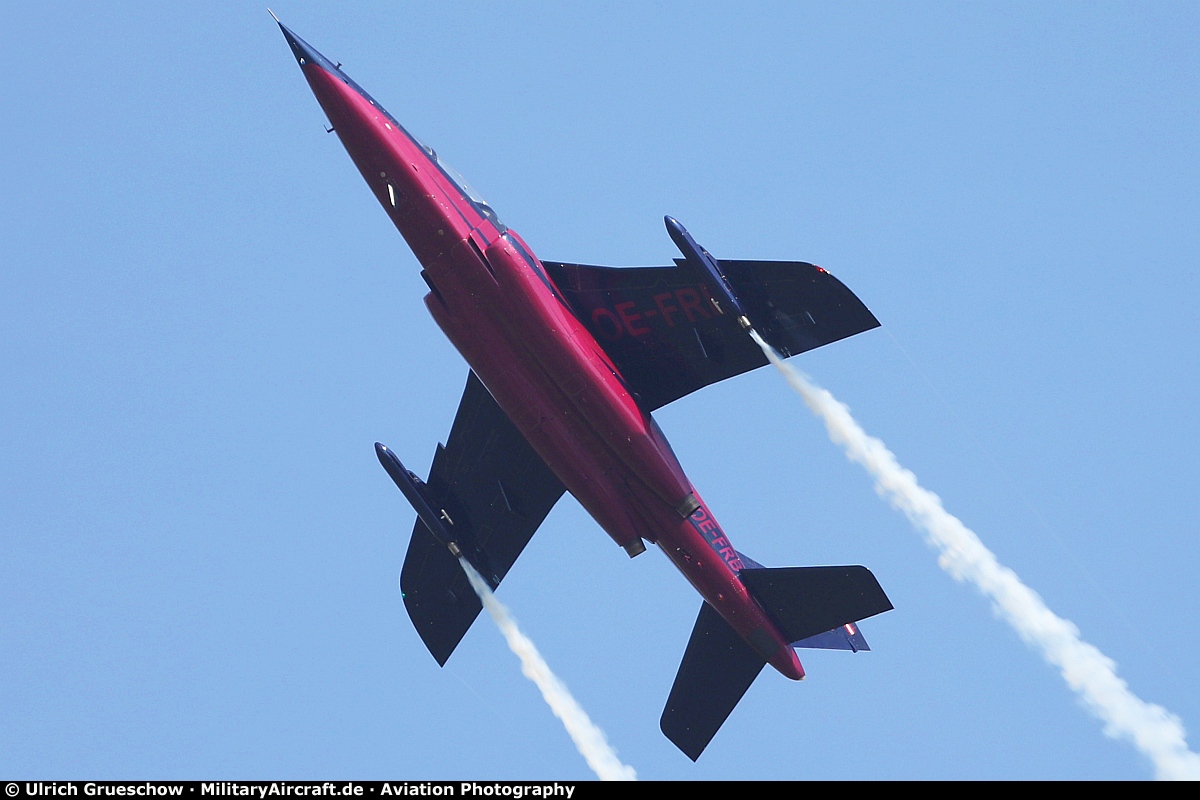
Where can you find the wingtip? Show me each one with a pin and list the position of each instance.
(272, 13)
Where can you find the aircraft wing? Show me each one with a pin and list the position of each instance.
(659, 328)
(493, 490)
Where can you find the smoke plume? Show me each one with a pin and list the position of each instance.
(1153, 730)
(589, 740)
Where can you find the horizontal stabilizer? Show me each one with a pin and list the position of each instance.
(807, 601)
(717, 669)
(843, 637)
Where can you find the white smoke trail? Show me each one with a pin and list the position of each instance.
(1153, 730)
(589, 740)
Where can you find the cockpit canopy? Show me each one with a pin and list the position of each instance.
(467, 189)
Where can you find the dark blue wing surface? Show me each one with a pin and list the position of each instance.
(494, 491)
(660, 328)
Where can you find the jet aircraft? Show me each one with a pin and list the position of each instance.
(568, 362)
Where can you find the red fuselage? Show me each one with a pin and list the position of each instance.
(500, 309)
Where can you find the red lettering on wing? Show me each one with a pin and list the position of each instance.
(690, 301)
(631, 319)
(607, 323)
(665, 308)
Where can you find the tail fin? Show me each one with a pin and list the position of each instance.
(806, 601)
(717, 669)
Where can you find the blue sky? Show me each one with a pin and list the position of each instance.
(207, 321)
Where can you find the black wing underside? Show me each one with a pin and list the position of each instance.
(657, 325)
(495, 491)
(717, 669)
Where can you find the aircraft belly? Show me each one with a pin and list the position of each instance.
(578, 366)
(571, 448)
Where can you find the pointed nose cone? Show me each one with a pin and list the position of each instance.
(678, 233)
(304, 52)
(384, 455)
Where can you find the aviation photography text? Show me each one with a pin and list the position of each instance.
(264, 789)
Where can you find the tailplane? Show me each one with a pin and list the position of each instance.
(717, 669)
(807, 601)
(812, 607)
(843, 637)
